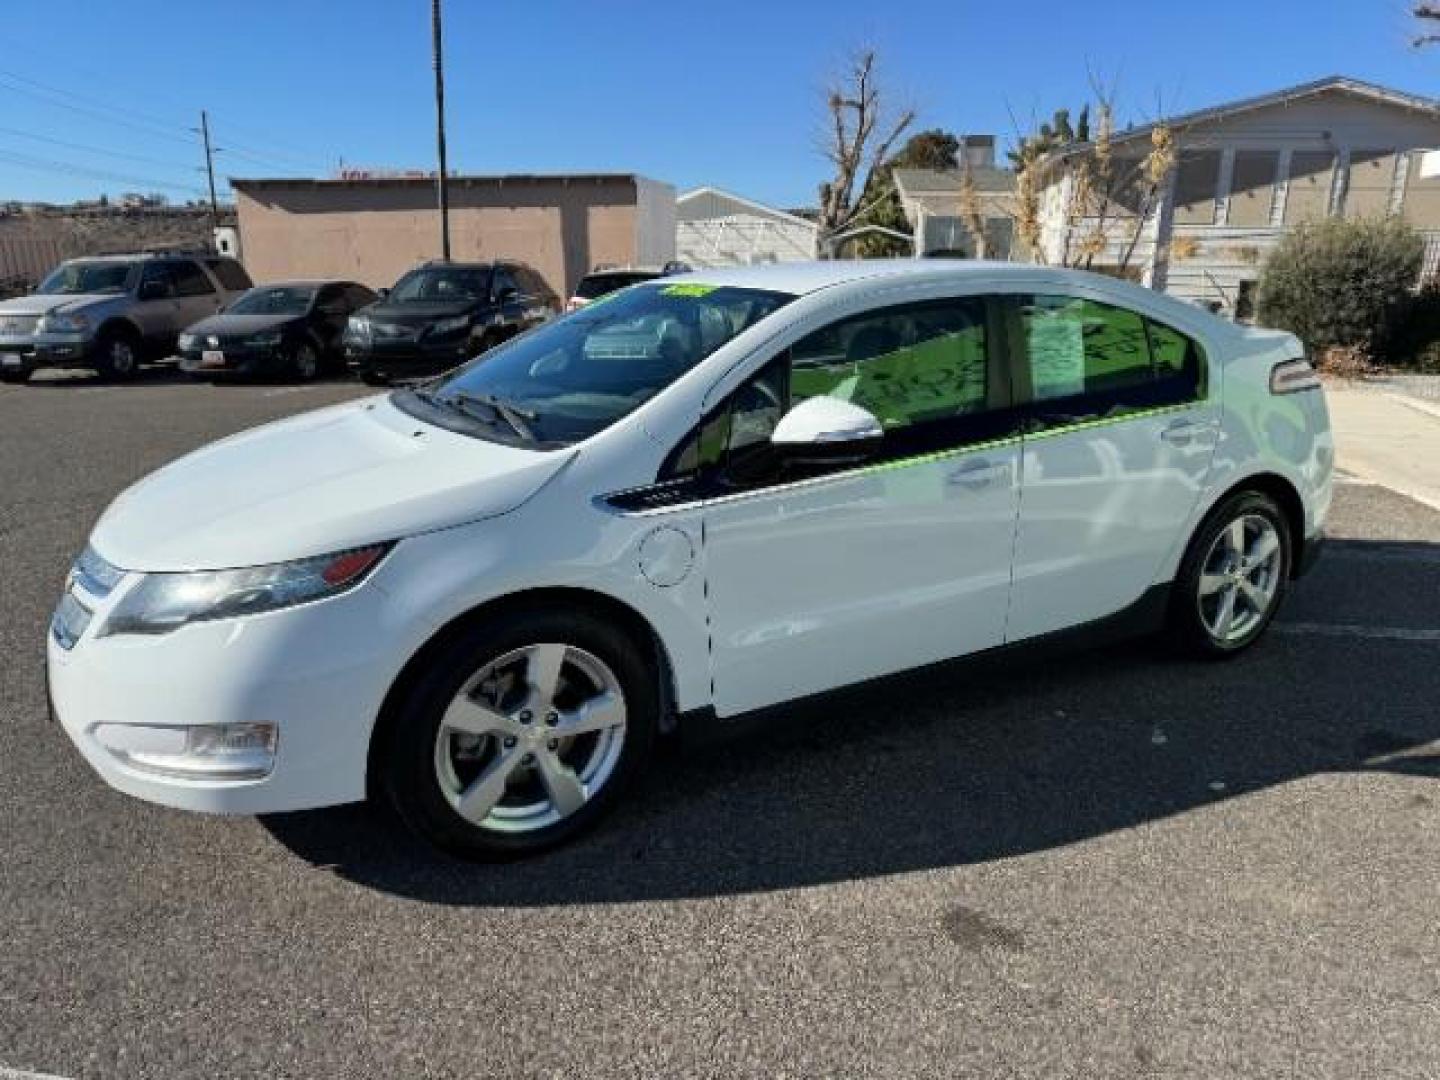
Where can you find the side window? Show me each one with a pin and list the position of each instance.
(502, 280)
(909, 365)
(1100, 357)
(158, 272)
(190, 280)
(230, 274)
(923, 369)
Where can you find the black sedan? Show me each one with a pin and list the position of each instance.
(442, 313)
(290, 328)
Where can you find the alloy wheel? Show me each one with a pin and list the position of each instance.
(1240, 578)
(307, 364)
(530, 738)
(122, 357)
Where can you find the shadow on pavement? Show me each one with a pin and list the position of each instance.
(973, 764)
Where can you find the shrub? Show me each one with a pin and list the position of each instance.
(1338, 282)
(1416, 338)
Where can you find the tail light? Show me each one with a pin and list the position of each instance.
(1293, 376)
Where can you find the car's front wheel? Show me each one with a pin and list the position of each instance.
(1233, 576)
(305, 361)
(117, 355)
(521, 733)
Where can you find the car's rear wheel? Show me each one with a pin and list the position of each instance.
(521, 733)
(117, 355)
(1233, 577)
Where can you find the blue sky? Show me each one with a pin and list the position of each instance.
(691, 93)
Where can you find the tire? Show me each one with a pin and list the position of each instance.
(15, 377)
(1239, 556)
(117, 355)
(305, 361)
(555, 763)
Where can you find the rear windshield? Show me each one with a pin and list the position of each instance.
(442, 284)
(593, 285)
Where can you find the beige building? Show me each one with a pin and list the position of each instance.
(372, 230)
(1248, 172)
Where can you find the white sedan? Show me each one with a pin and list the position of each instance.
(485, 597)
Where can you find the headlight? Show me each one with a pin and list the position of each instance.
(62, 324)
(264, 341)
(160, 603)
(449, 326)
(187, 341)
(358, 327)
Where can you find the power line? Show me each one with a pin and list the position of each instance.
(87, 148)
(50, 165)
(93, 113)
(147, 121)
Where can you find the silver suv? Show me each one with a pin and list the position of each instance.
(109, 312)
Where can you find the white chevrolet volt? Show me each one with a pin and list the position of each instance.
(485, 596)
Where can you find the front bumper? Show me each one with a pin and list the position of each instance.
(318, 672)
(407, 358)
(44, 350)
(237, 361)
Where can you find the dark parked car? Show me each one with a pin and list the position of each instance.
(441, 314)
(289, 328)
(604, 280)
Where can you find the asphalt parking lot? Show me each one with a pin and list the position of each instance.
(1108, 864)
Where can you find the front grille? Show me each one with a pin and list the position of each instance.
(18, 325)
(393, 332)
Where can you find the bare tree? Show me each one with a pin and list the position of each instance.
(1429, 16)
(970, 212)
(859, 136)
(1112, 196)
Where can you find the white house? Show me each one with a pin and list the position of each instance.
(931, 199)
(718, 228)
(1247, 172)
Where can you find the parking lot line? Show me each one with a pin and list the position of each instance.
(1380, 633)
(21, 1074)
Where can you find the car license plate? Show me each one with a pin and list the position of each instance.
(212, 358)
(11, 359)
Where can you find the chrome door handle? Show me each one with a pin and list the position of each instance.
(979, 474)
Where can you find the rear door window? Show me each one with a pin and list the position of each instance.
(190, 280)
(1084, 358)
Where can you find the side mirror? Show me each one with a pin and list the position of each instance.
(154, 290)
(827, 430)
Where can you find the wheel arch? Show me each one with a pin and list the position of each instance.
(119, 324)
(1286, 496)
(570, 598)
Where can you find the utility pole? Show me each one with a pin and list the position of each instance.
(210, 170)
(442, 189)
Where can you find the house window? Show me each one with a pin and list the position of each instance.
(1196, 178)
(1252, 187)
(1421, 205)
(1311, 172)
(1372, 174)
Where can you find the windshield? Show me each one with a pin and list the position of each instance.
(577, 375)
(280, 300)
(90, 276)
(441, 285)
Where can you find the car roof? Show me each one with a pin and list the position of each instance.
(304, 283)
(801, 278)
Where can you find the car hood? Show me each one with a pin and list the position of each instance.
(232, 324)
(418, 313)
(51, 303)
(336, 478)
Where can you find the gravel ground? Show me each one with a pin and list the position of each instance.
(1103, 864)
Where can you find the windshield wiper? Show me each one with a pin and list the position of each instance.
(513, 415)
